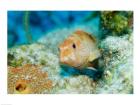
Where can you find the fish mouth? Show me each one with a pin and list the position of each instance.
(80, 66)
(63, 63)
(71, 63)
(67, 62)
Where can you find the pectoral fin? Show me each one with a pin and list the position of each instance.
(91, 68)
(91, 57)
(94, 55)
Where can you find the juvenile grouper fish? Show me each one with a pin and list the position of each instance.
(79, 50)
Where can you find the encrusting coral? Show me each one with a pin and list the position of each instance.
(118, 65)
(34, 56)
(80, 84)
(28, 79)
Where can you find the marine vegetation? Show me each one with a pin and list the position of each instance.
(116, 23)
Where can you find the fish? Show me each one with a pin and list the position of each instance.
(79, 50)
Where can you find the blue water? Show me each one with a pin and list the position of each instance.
(38, 23)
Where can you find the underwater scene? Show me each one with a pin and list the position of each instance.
(70, 52)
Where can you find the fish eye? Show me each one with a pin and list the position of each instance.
(73, 45)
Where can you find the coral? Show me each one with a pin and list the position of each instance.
(117, 65)
(34, 54)
(116, 23)
(118, 68)
(28, 79)
(37, 54)
(75, 85)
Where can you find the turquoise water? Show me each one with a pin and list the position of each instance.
(28, 26)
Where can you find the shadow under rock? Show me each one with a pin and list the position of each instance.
(67, 71)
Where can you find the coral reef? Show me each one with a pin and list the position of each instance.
(28, 79)
(76, 85)
(117, 76)
(117, 61)
(116, 23)
(40, 54)
(118, 67)
(36, 54)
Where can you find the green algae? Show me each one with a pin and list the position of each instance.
(116, 23)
